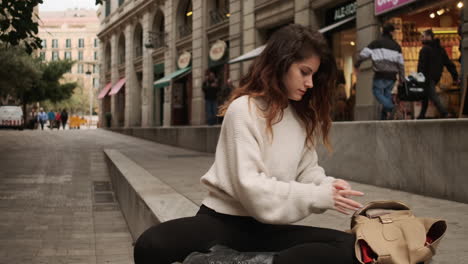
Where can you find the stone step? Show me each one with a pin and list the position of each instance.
(145, 200)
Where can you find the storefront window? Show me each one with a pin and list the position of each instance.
(344, 48)
(444, 20)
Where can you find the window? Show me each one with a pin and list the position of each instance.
(44, 43)
(55, 55)
(121, 2)
(108, 7)
(55, 43)
(80, 43)
(67, 55)
(95, 55)
(80, 68)
(95, 82)
(42, 55)
(96, 42)
(68, 43)
(80, 55)
(95, 68)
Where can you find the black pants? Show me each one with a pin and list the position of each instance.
(432, 95)
(174, 240)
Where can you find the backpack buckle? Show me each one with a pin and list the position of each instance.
(386, 220)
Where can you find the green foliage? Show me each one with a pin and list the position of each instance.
(17, 24)
(18, 71)
(30, 80)
(99, 2)
(78, 103)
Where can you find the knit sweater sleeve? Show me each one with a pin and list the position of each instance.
(264, 197)
(309, 170)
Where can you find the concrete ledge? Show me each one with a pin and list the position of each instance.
(199, 138)
(143, 198)
(428, 157)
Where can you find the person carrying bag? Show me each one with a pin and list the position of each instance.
(387, 232)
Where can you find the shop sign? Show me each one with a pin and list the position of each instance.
(383, 6)
(217, 50)
(184, 60)
(341, 12)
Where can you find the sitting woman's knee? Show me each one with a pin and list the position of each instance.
(150, 248)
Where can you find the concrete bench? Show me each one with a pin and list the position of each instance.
(143, 198)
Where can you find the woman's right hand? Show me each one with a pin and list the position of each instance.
(341, 191)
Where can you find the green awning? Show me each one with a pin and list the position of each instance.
(166, 80)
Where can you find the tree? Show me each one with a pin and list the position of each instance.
(17, 24)
(99, 2)
(30, 79)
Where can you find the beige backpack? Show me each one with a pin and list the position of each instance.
(387, 232)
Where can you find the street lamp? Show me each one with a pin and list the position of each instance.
(88, 73)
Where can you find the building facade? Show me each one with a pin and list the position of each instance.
(155, 53)
(72, 34)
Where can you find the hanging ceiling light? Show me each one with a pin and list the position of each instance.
(432, 15)
(352, 43)
(440, 11)
(460, 4)
(189, 13)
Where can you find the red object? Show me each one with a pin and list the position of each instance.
(367, 254)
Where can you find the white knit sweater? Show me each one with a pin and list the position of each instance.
(275, 181)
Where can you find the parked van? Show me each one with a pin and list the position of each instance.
(11, 117)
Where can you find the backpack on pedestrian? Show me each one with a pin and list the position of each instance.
(387, 232)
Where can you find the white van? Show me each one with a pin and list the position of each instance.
(11, 117)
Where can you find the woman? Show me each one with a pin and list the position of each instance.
(265, 175)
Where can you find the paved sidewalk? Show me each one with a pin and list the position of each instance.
(182, 170)
(49, 211)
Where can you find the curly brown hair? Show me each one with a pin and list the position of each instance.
(289, 44)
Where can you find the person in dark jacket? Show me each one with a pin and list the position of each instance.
(64, 118)
(432, 59)
(211, 88)
(388, 63)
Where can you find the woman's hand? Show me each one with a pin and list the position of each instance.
(341, 191)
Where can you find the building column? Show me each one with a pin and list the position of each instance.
(169, 58)
(102, 80)
(248, 30)
(147, 96)
(367, 30)
(114, 77)
(302, 12)
(235, 39)
(132, 95)
(199, 61)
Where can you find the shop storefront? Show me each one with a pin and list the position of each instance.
(181, 90)
(158, 94)
(411, 18)
(218, 64)
(118, 90)
(340, 31)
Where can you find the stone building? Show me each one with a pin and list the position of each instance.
(72, 34)
(155, 53)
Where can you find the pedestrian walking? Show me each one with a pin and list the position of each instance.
(211, 88)
(42, 117)
(265, 175)
(57, 120)
(51, 117)
(432, 59)
(64, 118)
(388, 63)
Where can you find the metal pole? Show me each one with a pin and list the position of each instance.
(90, 102)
